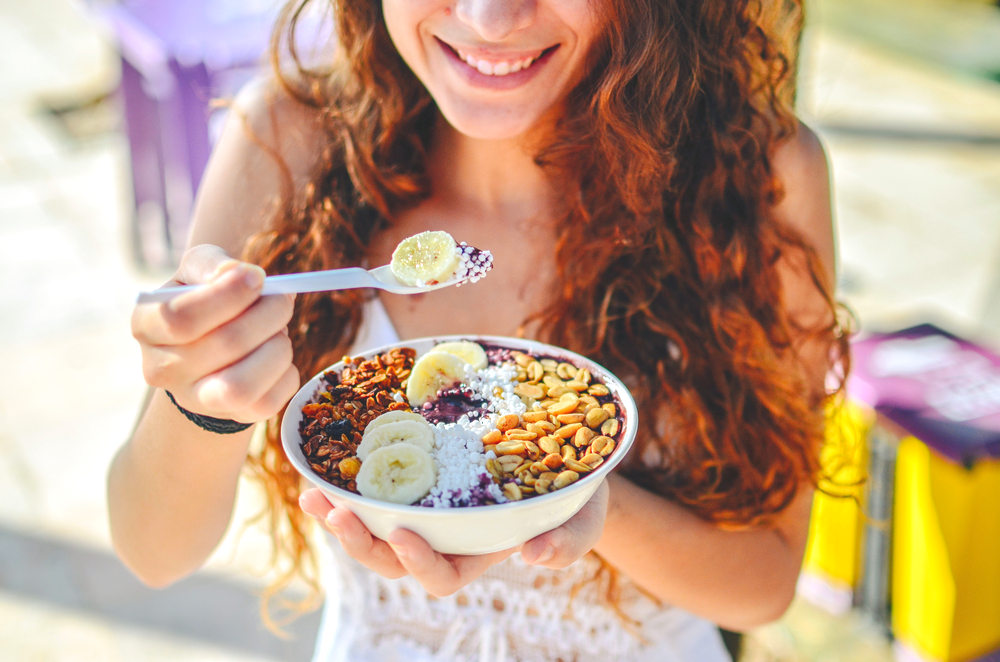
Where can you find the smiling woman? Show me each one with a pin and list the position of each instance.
(495, 69)
(651, 203)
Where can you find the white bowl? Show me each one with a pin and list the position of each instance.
(473, 529)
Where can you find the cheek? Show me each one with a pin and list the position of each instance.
(587, 19)
(400, 23)
(403, 19)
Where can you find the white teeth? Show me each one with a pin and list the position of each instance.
(504, 68)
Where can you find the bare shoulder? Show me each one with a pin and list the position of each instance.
(279, 122)
(268, 148)
(802, 150)
(800, 163)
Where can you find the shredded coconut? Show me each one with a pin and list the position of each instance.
(458, 447)
(462, 477)
(473, 263)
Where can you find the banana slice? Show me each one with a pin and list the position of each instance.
(400, 473)
(395, 416)
(432, 372)
(470, 352)
(419, 433)
(425, 259)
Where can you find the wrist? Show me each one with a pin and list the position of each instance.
(209, 423)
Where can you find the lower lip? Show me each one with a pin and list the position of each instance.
(477, 79)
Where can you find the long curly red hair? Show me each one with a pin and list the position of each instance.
(664, 159)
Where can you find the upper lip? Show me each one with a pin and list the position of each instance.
(492, 55)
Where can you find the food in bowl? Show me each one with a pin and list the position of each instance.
(473, 515)
(464, 423)
(433, 257)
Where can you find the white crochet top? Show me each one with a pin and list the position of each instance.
(513, 612)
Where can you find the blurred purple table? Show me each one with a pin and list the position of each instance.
(176, 58)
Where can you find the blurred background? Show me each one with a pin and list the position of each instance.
(104, 125)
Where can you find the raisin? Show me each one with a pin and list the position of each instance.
(336, 428)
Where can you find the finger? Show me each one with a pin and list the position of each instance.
(172, 364)
(439, 574)
(203, 263)
(313, 502)
(239, 386)
(237, 338)
(191, 315)
(544, 549)
(361, 545)
(277, 396)
(565, 544)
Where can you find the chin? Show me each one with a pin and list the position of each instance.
(487, 126)
(491, 132)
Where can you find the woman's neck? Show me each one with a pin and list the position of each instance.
(489, 178)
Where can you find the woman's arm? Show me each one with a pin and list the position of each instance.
(738, 579)
(222, 351)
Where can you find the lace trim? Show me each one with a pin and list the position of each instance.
(513, 610)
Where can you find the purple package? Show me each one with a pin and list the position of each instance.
(940, 388)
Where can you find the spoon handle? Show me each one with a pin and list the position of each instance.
(310, 281)
(319, 281)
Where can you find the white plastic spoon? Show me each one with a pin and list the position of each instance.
(318, 281)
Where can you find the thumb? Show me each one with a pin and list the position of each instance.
(205, 263)
(565, 544)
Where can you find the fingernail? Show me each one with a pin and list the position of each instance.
(546, 555)
(331, 525)
(254, 277)
(400, 551)
(229, 267)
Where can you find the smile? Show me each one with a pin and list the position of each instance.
(496, 70)
(497, 67)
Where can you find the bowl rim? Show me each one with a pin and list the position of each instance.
(290, 437)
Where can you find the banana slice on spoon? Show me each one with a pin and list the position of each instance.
(425, 259)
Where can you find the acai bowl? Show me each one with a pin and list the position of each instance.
(475, 443)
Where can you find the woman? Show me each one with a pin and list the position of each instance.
(650, 201)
